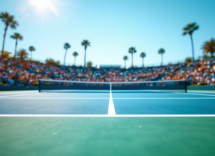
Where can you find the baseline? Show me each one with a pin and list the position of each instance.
(44, 98)
(166, 98)
(82, 115)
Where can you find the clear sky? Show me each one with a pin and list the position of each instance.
(112, 27)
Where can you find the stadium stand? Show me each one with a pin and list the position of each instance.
(26, 73)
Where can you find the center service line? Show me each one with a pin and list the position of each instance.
(111, 109)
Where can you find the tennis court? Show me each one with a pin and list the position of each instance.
(99, 122)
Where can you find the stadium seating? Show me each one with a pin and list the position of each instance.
(27, 73)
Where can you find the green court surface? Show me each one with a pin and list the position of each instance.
(105, 136)
(143, 123)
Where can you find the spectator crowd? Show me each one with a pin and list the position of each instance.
(14, 72)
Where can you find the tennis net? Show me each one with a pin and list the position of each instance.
(85, 86)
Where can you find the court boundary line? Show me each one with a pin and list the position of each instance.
(58, 98)
(165, 98)
(202, 91)
(203, 98)
(106, 115)
(198, 94)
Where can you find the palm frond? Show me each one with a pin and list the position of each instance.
(125, 58)
(85, 43)
(143, 55)
(4, 16)
(22, 54)
(75, 54)
(190, 28)
(185, 28)
(17, 36)
(132, 50)
(196, 27)
(31, 48)
(209, 46)
(67, 46)
(14, 24)
(161, 51)
(8, 20)
(184, 33)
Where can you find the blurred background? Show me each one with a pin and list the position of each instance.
(112, 27)
(107, 40)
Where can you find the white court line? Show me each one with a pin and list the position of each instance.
(164, 98)
(110, 101)
(198, 94)
(190, 91)
(124, 115)
(111, 109)
(39, 98)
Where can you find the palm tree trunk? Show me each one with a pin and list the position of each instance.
(65, 57)
(142, 62)
(5, 31)
(74, 60)
(131, 60)
(125, 64)
(31, 55)
(191, 38)
(85, 57)
(161, 59)
(15, 48)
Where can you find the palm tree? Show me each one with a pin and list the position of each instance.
(75, 54)
(143, 55)
(9, 22)
(188, 60)
(17, 37)
(52, 62)
(189, 29)
(125, 58)
(6, 54)
(209, 47)
(85, 43)
(132, 50)
(89, 64)
(31, 49)
(66, 46)
(161, 51)
(22, 54)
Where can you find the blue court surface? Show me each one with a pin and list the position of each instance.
(106, 103)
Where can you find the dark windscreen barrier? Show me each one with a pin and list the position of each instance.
(153, 85)
(73, 86)
(70, 86)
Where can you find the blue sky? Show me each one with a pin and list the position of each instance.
(112, 27)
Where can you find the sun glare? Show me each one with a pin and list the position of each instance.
(44, 5)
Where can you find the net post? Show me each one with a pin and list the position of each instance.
(39, 86)
(185, 86)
